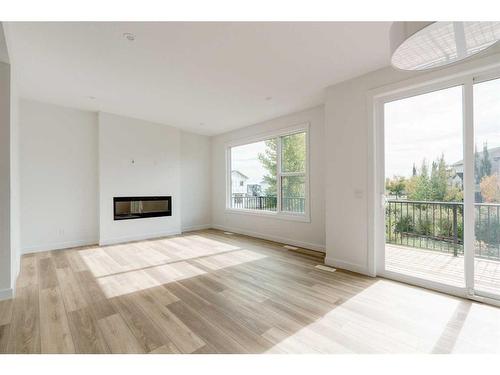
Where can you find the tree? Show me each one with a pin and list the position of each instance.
(293, 159)
(396, 186)
(477, 161)
(490, 188)
(269, 162)
(418, 187)
(485, 166)
(433, 186)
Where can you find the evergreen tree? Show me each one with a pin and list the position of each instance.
(477, 167)
(485, 169)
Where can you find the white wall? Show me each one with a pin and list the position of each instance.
(58, 177)
(310, 235)
(350, 161)
(196, 181)
(137, 158)
(5, 235)
(15, 204)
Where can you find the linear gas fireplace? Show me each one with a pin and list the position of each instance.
(139, 207)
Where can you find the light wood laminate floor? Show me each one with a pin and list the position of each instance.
(208, 292)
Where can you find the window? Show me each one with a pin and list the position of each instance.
(270, 175)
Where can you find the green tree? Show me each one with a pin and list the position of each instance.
(485, 166)
(269, 162)
(438, 180)
(293, 159)
(418, 187)
(396, 186)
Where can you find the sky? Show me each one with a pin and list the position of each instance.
(428, 125)
(244, 159)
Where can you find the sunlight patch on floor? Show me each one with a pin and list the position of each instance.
(136, 280)
(120, 258)
(234, 258)
(375, 315)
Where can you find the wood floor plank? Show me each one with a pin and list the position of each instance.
(47, 272)
(183, 338)
(55, 334)
(70, 289)
(25, 325)
(4, 337)
(6, 307)
(146, 332)
(216, 340)
(60, 259)
(118, 336)
(28, 273)
(94, 296)
(86, 334)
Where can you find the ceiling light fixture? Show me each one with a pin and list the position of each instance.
(129, 36)
(427, 45)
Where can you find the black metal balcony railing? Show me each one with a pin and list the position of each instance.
(269, 203)
(439, 226)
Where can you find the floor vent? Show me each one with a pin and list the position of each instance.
(325, 268)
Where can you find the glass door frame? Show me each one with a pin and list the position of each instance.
(376, 100)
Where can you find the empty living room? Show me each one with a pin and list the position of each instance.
(223, 181)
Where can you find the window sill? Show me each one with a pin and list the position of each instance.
(272, 215)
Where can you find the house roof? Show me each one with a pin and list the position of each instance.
(241, 174)
(494, 153)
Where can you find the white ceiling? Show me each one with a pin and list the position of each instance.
(187, 74)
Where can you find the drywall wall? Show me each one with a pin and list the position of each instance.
(349, 161)
(196, 181)
(5, 245)
(58, 177)
(137, 158)
(307, 234)
(15, 205)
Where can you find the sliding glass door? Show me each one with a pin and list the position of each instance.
(439, 177)
(424, 188)
(487, 187)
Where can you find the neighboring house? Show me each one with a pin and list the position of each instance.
(494, 154)
(254, 190)
(458, 168)
(238, 183)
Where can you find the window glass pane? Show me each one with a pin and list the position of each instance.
(253, 176)
(293, 194)
(293, 153)
(424, 186)
(487, 186)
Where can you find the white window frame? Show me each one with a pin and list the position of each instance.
(278, 214)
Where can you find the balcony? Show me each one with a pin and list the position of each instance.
(425, 239)
(268, 203)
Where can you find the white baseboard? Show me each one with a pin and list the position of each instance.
(358, 268)
(147, 236)
(192, 228)
(305, 245)
(6, 294)
(58, 245)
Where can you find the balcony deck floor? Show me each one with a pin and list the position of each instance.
(441, 267)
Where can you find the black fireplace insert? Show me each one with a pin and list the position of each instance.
(125, 208)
